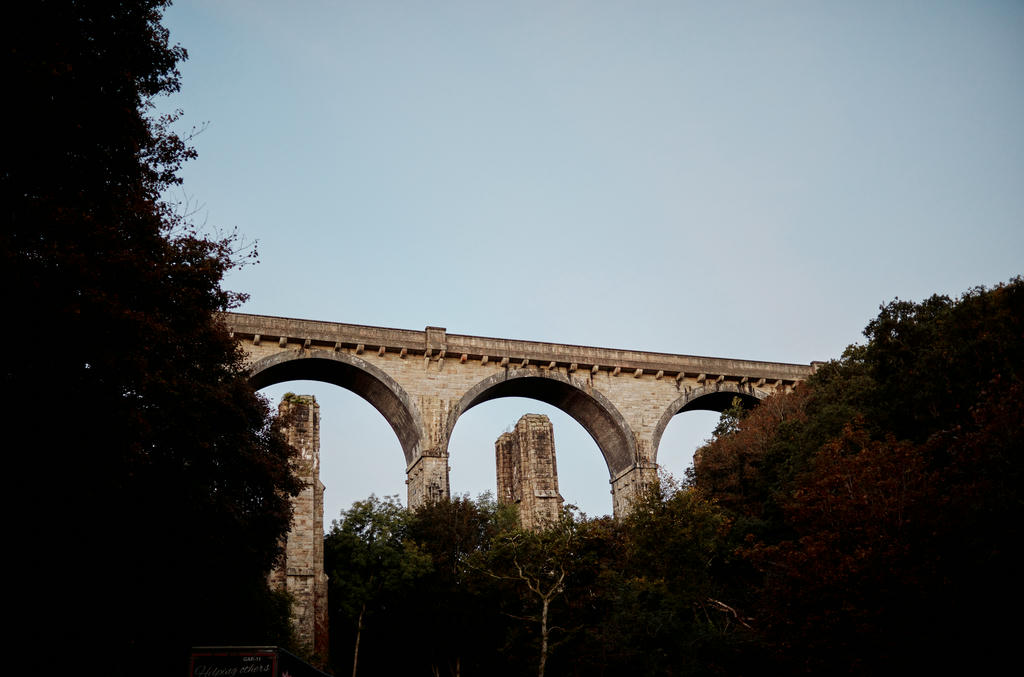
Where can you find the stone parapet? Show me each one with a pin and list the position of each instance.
(437, 343)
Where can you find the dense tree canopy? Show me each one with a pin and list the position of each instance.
(886, 492)
(370, 562)
(152, 457)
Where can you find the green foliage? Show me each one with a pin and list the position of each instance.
(728, 422)
(370, 552)
(158, 466)
(371, 562)
(292, 398)
(619, 597)
(679, 603)
(536, 568)
(880, 499)
(461, 635)
(743, 468)
(931, 360)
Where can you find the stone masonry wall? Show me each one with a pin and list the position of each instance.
(527, 471)
(423, 381)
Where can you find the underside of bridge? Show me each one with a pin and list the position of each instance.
(353, 374)
(592, 410)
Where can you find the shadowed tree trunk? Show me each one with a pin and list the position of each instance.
(359, 632)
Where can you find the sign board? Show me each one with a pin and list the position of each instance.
(248, 661)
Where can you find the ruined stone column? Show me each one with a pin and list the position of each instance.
(527, 471)
(301, 573)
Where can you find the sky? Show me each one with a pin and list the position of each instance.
(731, 179)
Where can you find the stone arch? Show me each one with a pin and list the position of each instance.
(590, 408)
(351, 373)
(713, 397)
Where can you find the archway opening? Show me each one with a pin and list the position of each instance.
(685, 433)
(582, 471)
(363, 388)
(690, 423)
(588, 408)
(354, 374)
(359, 452)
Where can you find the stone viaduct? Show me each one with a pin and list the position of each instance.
(422, 381)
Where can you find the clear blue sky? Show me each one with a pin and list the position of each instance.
(735, 179)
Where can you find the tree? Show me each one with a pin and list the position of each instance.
(749, 454)
(932, 360)
(882, 498)
(683, 607)
(537, 565)
(461, 635)
(843, 589)
(370, 560)
(159, 467)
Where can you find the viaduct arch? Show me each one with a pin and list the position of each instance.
(592, 410)
(352, 373)
(423, 381)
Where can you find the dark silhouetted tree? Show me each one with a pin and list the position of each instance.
(371, 563)
(882, 498)
(159, 484)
